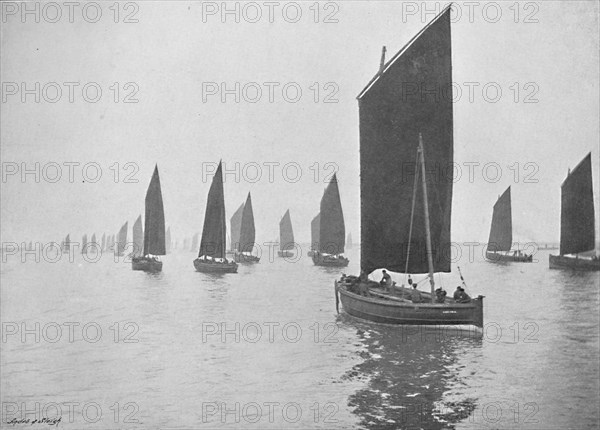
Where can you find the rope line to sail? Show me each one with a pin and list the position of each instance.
(412, 212)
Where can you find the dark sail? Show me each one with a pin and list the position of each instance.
(315, 231)
(195, 238)
(412, 94)
(577, 224)
(332, 231)
(247, 232)
(122, 239)
(154, 222)
(236, 227)
(214, 231)
(138, 237)
(286, 234)
(501, 230)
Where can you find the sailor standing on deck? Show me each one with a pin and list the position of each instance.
(386, 281)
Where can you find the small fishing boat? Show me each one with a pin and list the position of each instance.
(121, 240)
(66, 245)
(500, 241)
(286, 237)
(103, 242)
(236, 227)
(245, 245)
(315, 226)
(154, 229)
(405, 227)
(577, 221)
(211, 256)
(332, 231)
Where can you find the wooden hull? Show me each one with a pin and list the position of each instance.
(385, 311)
(506, 258)
(572, 263)
(320, 260)
(243, 258)
(286, 254)
(215, 267)
(146, 264)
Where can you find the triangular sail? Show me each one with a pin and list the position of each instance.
(315, 231)
(138, 237)
(236, 227)
(577, 219)
(154, 222)
(332, 236)
(195, 239)
(214, 230)
(247, 232)
(392, 115)
(122, 239)
(286, 233)
(501, 230)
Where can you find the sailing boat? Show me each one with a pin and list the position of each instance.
(577, 223)
(315, 226)
(84, 242)
(332, 231)
(103, 242)
(66, 245)
(211, 256)
(138, 238)
(154, 229)
(286, 236)
(121, 240)
(195, 241)
(236, 228)
(349, 241)
(500, 240)
(245, 244)
(396, 226)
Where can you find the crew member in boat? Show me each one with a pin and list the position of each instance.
(463, 297)
(456, 294)
(386, 281)
(440, 295)
(415, 295)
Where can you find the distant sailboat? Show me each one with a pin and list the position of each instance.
(577, 220)
(195, 238)
(236, 227)
(286, 236)
(168, 242)
(186, 244)
(66, 245)
(247, 235)
(315, 231)
(406, 211)
(103, 242)
(500, 241)
(332, 230)
(84, 244)
(211, 256)
(138, 238)
(154, 229)
(122, 240)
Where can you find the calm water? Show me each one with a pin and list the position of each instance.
(287, 359)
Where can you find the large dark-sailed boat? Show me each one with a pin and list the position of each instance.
(315, 226)
(154, 229)
(405, 206)
(66, 248)
(245, 245)
(577, 221)
(211, 257)
(121, 243)
(332, 230)
(236, 227)
(138, 238)
(286, 237)
(500, 241)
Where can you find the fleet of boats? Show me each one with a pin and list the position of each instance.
(406, 214)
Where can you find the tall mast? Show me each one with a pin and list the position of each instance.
(421, 152)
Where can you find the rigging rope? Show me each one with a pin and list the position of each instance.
(412, 213)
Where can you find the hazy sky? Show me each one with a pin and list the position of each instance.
(170, 55)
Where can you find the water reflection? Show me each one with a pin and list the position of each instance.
(414, 376)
